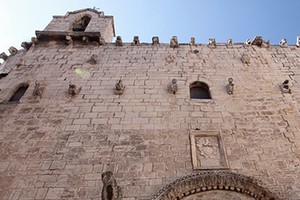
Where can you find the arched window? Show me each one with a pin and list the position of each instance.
(19, 93)
(81, 24)
(199, 90)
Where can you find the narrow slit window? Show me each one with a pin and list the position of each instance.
(199, 90)
(19, 93)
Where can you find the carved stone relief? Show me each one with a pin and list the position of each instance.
(257, 41)
(13, 50)
(174, 42)
(34, 40)
(210, 185)
(119, 41)
(69, 40)
(212, 43)
(155, 40)
(246, 58)
(218, 195)
(110, 190)
(38, 89)
(230, 86)
(3, 56)
(207, 150)
(26, 45)
(136, 40)
(229, 43)
(102, 41)
(248, 42)
(170, 59)
(74, 89)
(283, 42)
(285, 87)
(266, 44)
(119, 87)
(173, 88)
(193, 41)
(93, 60)
(86, 39)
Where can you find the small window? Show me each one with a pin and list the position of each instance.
(199, 90)
(19, 93)
(81, 24)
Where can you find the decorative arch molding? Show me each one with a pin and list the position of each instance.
(215, 180)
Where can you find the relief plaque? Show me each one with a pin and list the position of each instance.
(207, 150)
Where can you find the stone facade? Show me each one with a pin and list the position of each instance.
(57, 145)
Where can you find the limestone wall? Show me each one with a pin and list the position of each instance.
(57, 146)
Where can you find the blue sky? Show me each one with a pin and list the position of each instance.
(203, 19)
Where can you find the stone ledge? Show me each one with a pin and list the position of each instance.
(61, 35)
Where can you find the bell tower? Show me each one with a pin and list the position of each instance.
(86, 23)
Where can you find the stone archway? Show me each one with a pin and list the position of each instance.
(218, 195)
(207, 182)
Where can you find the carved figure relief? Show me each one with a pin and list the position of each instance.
(212, 43)
(230, 86)
(93, 60)
(86, 39)
(34, 41)
(26, 45)
(119, 41)
(193, 41)
(248, 42)
(208, 153)
(170, 59)
(283, 42)
(285, 88)
(155, 40)
(257, 41)
(13, 50)
(173, 86)
(174, 42)
(207, 150)
(102, 41)
(266, 44)
(69, 40)
(73, 89)
(20, 62)
(246, 58)
(119, 87)
(229, 43)
(38, 89)
(3, 56)
(110, 190)
(136, 40)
